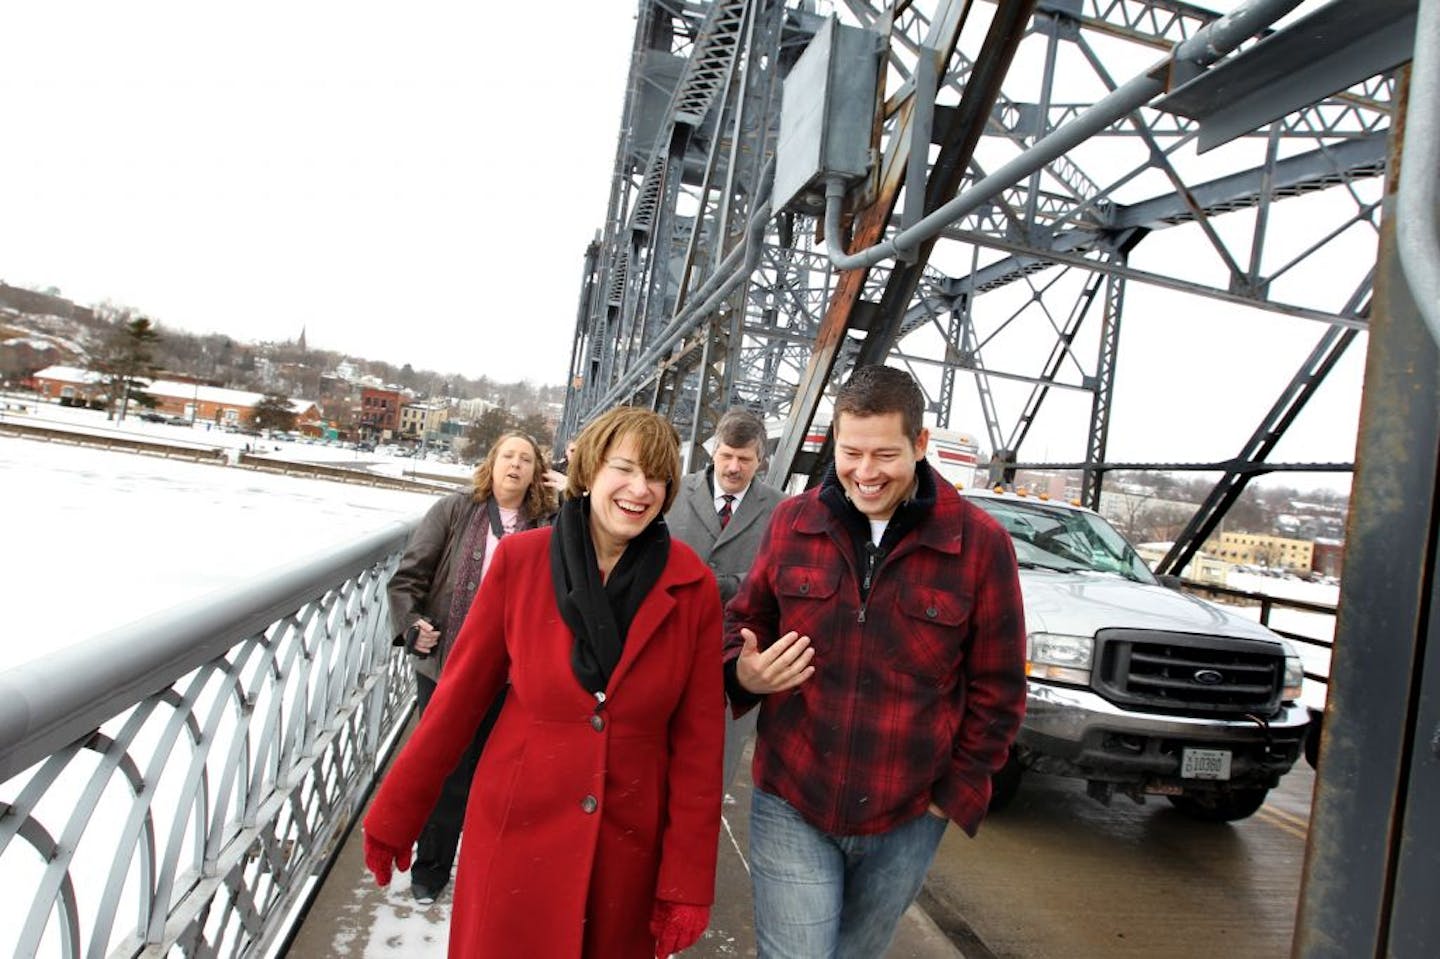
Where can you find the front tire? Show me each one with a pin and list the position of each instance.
(1228, 806)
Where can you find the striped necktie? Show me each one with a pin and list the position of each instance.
(727, 509)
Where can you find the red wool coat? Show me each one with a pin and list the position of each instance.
(578, 819)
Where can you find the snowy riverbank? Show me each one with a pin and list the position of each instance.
(96, 538)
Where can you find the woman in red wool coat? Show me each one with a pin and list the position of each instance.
(594, 815)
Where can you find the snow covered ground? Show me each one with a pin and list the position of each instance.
(94, 538)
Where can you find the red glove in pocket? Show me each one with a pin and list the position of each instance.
(676, 926)
(379, 857)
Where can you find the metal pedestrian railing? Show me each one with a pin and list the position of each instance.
(177, 785)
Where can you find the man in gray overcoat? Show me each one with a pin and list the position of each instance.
(721, 512)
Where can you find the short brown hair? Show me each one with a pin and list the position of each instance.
(539, 498)
(739, 428)
(877, 390)
(658, 449)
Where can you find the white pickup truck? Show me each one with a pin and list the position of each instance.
(1135, 687)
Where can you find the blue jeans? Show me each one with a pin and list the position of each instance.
(821, 896)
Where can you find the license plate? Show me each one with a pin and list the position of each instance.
(1205, 764)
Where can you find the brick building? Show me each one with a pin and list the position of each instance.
(193, 401)
(379, 412)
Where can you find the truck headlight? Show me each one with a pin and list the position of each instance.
(1055, 656)
(1294, 678)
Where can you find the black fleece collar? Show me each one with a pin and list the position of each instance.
(908, 514)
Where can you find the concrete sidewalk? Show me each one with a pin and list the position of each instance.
(351, 916)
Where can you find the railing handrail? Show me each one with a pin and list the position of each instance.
(53, 700)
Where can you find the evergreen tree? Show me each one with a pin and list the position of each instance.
(273, 412)
(126, 360)
(486, 430)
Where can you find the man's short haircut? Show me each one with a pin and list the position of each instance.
(739, 428)
(877, 390)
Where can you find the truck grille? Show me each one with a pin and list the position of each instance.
(1194, 675)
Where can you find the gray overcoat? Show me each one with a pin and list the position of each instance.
(693, 521)
(729, 552)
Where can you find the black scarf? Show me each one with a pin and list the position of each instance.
(908, 514)
(599, 615)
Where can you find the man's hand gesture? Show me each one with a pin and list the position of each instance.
(784, 665)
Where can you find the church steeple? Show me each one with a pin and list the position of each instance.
(301, 342)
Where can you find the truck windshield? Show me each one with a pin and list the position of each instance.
(1068, 540)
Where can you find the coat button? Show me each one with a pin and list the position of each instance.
(804, 587)
(478, 554)
(597, 722)
(932, 612)
(589, 804)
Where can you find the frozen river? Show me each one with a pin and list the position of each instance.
(93, 539)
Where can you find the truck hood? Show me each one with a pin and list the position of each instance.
(1080, 604)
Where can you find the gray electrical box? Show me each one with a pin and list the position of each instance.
(826, 115)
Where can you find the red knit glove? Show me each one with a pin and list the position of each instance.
(379, 856)
(676, 926)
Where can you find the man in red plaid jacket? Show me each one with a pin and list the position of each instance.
(882, 635)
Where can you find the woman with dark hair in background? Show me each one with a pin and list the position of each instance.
(429, 596)
(594, 821)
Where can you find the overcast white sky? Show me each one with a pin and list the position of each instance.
(418, 184)
(411, 182)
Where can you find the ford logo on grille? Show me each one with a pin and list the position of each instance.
(1209, 677)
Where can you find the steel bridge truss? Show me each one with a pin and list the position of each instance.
(699, 296)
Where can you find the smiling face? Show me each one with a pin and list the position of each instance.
(735, 467)
(623, 500)
(513, 471)
(875, 461)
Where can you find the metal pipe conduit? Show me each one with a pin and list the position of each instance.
(51, 701)
(1417, 222)
(1204, 48)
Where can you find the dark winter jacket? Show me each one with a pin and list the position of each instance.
(423, 586)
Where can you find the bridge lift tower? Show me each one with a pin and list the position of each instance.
(976, 191)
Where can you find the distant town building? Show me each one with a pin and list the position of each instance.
(70, 383)
(1258, 549)
(1202, 568)
(419, 419)
(473, 409)
(1329, 557)
(193, 401)
(380, 412)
